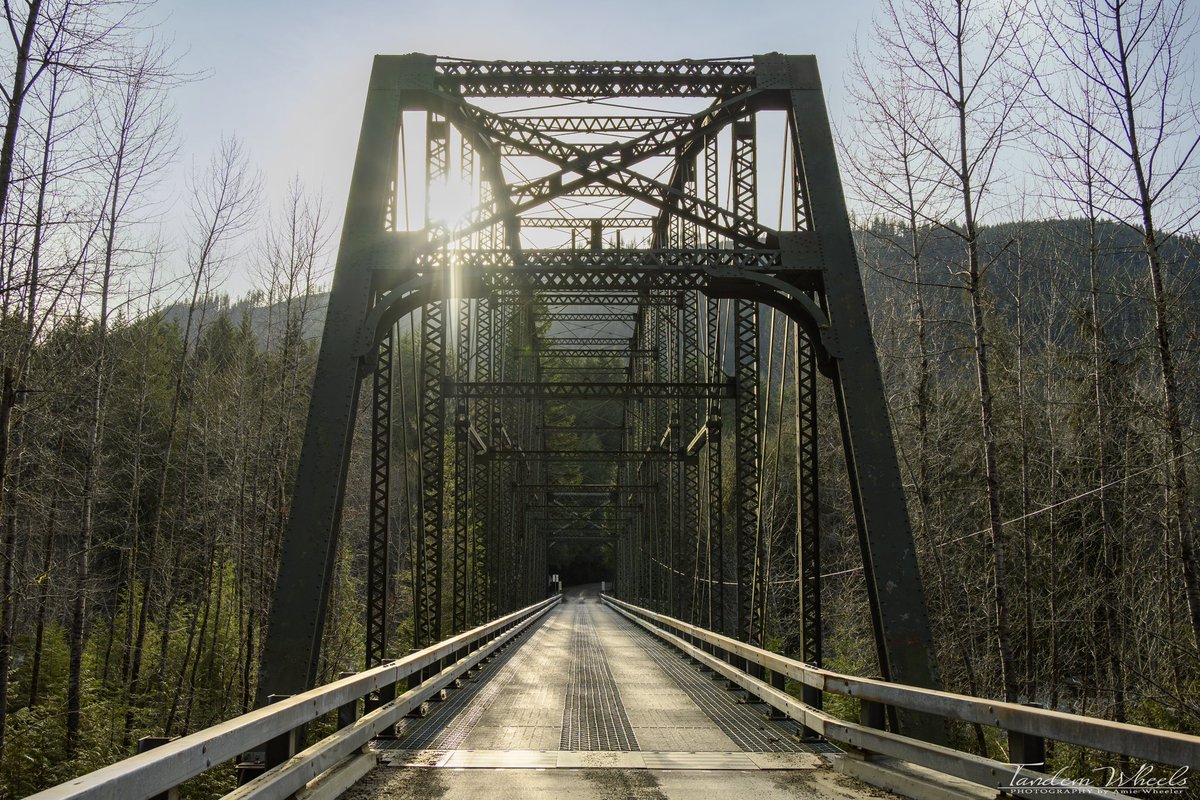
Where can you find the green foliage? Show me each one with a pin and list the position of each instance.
(202, 563)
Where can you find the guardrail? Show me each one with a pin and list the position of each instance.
(274, 728)
(1027, 727)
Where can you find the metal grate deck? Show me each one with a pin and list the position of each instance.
(593, 717)
(449, 722)
(744, 723)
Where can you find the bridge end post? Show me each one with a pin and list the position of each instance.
(296, 622)
(904, 639)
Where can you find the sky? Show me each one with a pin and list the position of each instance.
(289, 77)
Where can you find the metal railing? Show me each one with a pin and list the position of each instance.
(273, 728)
(1028, 728)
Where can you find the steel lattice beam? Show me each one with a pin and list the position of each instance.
(428, 610)
(598, 342)
(595, 316)
(558, 223)
(379, 522)
(534, 261)
(587, 352)
(583, 455)
(706, 78)
(746, 519)
(592, 390)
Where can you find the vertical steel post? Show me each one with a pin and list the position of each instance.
(808, 513)
(481, 468)
(462, 482)
(427, 627)
(723, 577)
(379, 522)
(746, 436)
(746, 404)
(427, 613)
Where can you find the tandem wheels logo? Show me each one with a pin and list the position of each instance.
(1145, 781)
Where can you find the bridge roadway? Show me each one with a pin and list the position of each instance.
(588, 705)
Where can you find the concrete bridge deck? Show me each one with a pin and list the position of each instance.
(588, 705)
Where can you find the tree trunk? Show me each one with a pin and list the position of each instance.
(991, 468)
(16, 101)
(7, 608)
(35, 669)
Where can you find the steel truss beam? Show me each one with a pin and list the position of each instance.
(810, 648)
(555, 488)
(427, 613)
(379, 526)
(461, 564)
(747, 533)
(612, 166)
(583, 455)
(747, 520)
(707, 78)
(578, 124)
(599, 342)
(558, 223)
(592, 370)
(549, 506)
(587, 352)
(592, 390)
(574, 428)
(667, 258)
(595, 316)
(580, 534)
(482, 474)
(567, 297)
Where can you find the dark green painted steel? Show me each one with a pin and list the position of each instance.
(905, 641)
(296, 623)
(379, 571)
(690, 361)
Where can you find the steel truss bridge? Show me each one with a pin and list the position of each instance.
(572, 301)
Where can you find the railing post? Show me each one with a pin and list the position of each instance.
(811, 696)
(147, 743)
(347, 713)
(779, 684)
(273, 753)
(283, 746)
(385, 695)
(1026, 748)
(872, 714)
(413, 681)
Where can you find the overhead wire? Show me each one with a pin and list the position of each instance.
(1045, 509)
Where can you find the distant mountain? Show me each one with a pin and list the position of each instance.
(1047, 261)
(262, 317)
(1050, 257)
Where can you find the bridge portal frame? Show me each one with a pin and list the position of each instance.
(382, 274)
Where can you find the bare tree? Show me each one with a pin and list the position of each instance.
(1125, 87)
(224, 198)
(956, 56)
(136, 142)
